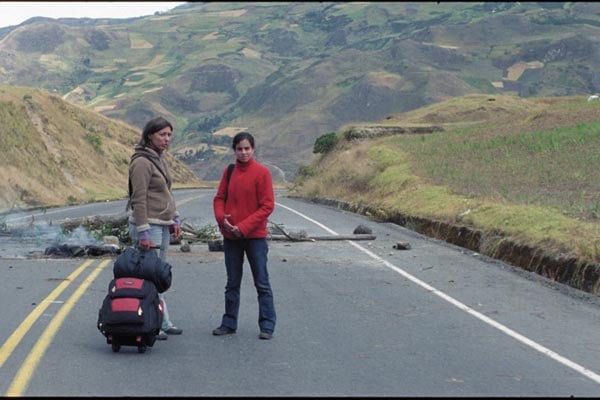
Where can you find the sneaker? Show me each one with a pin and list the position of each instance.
(174, 330)
(223, 330)
(162, 335)
(266, 334)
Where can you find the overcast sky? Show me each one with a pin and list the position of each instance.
(15, 12)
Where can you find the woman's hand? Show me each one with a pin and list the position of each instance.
(233, 229)
(176, 230)
(144, 244)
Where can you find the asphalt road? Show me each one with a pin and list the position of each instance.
(355, 318)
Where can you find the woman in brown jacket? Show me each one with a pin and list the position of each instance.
(152, 211)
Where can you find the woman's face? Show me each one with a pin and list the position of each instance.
(160, 140)
(244, 151)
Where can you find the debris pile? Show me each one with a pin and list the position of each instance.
(75, 250)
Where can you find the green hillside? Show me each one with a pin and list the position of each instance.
(508, 177)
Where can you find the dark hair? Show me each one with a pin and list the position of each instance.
(153, 126)
(242, 136)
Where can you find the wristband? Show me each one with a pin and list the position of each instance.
(144, 235)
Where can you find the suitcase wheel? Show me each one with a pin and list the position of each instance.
(115, 347)
(141, 344)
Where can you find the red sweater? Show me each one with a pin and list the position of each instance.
(250, 199)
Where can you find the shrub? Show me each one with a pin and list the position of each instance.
(95, 140)
(325, 143)
(306, 171)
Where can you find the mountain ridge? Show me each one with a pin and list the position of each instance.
(290, 72)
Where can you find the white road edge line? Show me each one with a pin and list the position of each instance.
(515, 335)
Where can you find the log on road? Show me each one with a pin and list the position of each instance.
(94, 222)
(315, 238)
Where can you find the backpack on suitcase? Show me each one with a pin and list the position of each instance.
(131, 313)
(143, 264)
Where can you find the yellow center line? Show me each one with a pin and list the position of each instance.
(182, 202)
(25, 373)
(13, 340)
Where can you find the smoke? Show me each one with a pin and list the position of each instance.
(46, 233)
(79, 236)
(23, 236)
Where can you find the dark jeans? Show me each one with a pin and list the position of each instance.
(256, 251)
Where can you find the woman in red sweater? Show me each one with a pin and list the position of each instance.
(242, 207)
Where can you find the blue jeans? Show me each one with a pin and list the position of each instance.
(159, 234)
(256, 251)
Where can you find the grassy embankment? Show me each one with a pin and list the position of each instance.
(53, 152)
(527, 167)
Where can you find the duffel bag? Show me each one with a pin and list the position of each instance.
(133, 262)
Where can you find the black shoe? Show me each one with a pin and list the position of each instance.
(266, 334)
(223, 330)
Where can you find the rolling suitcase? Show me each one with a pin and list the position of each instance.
(131, 313)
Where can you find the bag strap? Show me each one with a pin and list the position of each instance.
(230, 168)
(229, 171)
(136, 255)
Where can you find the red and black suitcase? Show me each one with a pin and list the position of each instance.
(131, 313)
